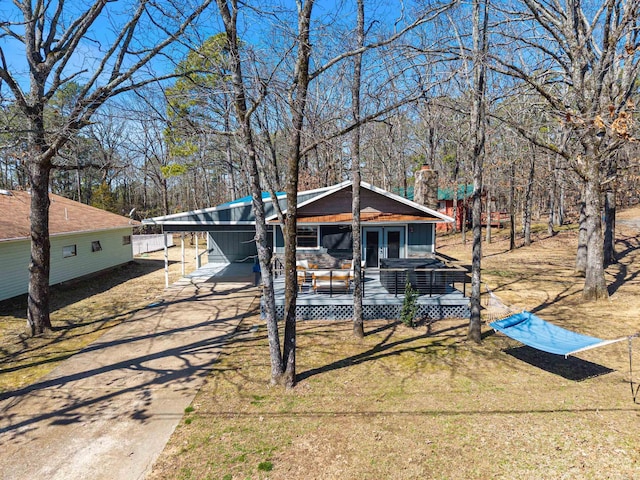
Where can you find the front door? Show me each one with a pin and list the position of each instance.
(372, 246)
(394, 242)
(382, 242)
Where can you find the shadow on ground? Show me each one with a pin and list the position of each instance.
(67, 293)
(571, 368)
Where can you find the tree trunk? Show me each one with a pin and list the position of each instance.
(298, 102)
(229, 17)
(488, 215)
(38, 318)
(478, 124)
(528, 205)
(512, 207)
(581, 253)
(610, 224)
(358, 324)
(595, 286)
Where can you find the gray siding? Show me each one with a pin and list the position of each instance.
(229, 246)
(15, 256)
(420, 239)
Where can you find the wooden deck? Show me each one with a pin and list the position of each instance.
(378, 303)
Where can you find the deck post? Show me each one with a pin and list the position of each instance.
(431, 283)
(330, 283)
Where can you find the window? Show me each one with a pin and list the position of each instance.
(95, 246)
(126, 240)
(69, 251)
(307, 237)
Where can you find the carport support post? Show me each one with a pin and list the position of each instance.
(197, 252)
(182, 250)
(166, 261)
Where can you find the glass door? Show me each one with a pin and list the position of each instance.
(382, 242)
(372, 246)
(394, 242)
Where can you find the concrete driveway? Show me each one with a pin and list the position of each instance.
(107, 412)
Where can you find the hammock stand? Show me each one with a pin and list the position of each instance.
(527, 328)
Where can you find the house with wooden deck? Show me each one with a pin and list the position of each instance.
(398, 245)
(84, 240)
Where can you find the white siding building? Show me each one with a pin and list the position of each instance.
(84, 240)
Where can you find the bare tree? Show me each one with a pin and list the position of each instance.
(581, 59)
(54, 38)
(358, 325)
(478, 125)
(229, 13)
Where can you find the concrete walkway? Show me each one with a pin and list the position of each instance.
(107, 412)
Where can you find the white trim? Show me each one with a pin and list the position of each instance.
(150, 221)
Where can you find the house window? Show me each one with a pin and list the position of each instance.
(307, 237)
(69, 251)
(95, 246)
(126, 240)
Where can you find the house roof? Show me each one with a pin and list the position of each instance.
(236, 212)
(410, 213)
(65, 216)
(239, 212)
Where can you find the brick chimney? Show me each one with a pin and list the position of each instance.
(425, 190)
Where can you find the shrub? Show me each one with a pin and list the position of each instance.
(409, 309)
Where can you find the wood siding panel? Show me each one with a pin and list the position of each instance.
(14, 268)
(15, 256)
(340, 202)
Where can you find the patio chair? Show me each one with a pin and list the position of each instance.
(331, 281)
(301, 271)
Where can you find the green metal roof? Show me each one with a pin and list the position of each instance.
(464, 191)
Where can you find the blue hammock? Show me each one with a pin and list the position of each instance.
(526, 328)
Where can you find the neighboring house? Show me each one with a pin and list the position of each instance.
(392, 226)
(84, 240)
(462, 210)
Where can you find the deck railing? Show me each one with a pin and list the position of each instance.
(427, 281)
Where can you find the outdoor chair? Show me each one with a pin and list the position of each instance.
(331, 281)
(301, 271)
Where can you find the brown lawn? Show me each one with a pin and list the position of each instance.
(81, 311)
(406, 404)
(402, 403)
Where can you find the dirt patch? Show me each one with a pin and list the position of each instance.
(404, 403)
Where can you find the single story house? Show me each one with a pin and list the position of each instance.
(84, 240)
(398, 245)
(392, 226)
